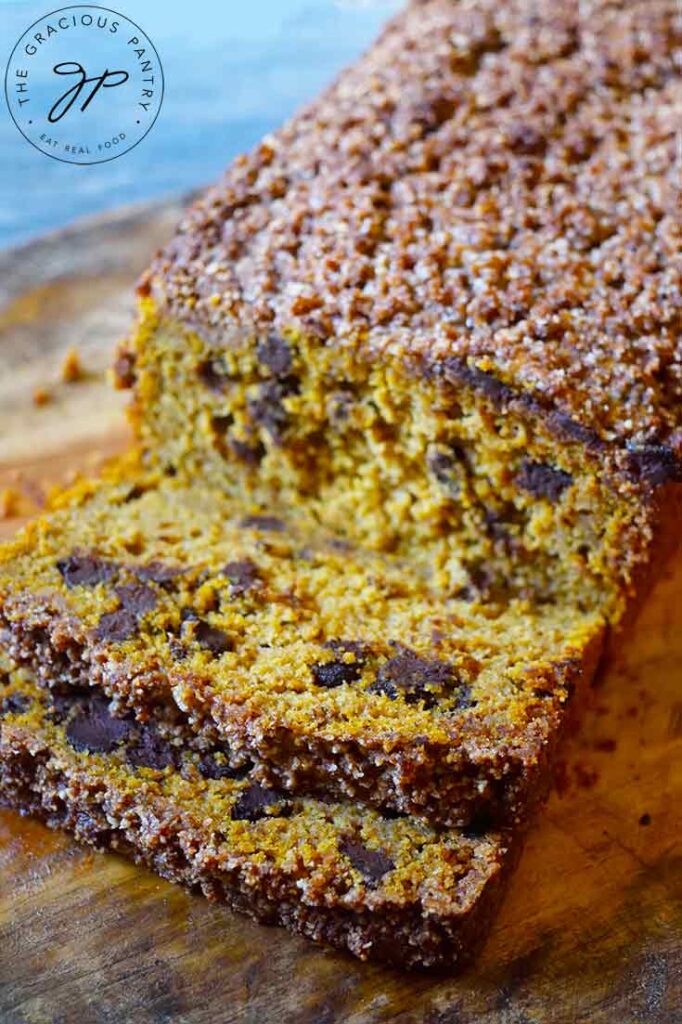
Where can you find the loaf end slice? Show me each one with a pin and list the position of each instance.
(382, 887)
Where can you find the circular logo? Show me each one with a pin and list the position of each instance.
(84, 84)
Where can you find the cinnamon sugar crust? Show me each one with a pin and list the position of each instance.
(497, 184)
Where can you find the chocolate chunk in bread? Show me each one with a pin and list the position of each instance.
(117, 626)
(372, 864)
(274, 353)
(256, 802)
(85, 570)
(340, 670)
(413, 677)
(95, 729)
(212, 638)
(136, 598)
(148, 749)
(543, 481)
(263, 523)
(243, 576)
(214, 374)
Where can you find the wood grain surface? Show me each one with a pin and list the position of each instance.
(591, 930)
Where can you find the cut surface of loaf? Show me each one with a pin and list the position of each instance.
(441, 307)
(335, 669)
(385, 887)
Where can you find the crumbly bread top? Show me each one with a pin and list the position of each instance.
(497, 183)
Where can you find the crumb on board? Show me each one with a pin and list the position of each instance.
(41, 396)
(72, 368)
(9, 502)
(34, 491)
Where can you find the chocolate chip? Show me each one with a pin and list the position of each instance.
(243, 576)
(414, 677)
(340, 404)
(372, 864)
(116, 626)
(214, 374)
(14, 704)
(266, 407)
(136, 598)
(134, 494)
(543, 481)
(485, 583)
(263, 523)
(149, 750)
(221, 424)
(81, 570)
(567, 427)
(157, 572)
(446, 463)
(333, 673)
(95, 729)
(645, 819)
(213, 639)
(256, 802)
(654, 464)
(211, 768)
(455, 370)
(274, 353)
(340, 544)
(441, 464)
(250, 454)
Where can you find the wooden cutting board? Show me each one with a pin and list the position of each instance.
(591, 931)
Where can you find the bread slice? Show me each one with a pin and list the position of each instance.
(440, 308)
(386, 887)
(336, 670)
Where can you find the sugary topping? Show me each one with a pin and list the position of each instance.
(497, 183)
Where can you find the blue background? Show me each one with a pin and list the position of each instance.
(233, 71)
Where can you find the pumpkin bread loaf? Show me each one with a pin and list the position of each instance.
(407, 391)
